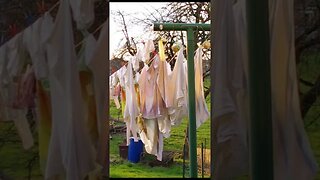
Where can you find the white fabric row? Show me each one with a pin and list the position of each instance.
(72, 154)
(13, 57)
(293, 158)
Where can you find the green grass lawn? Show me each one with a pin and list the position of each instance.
(123, 168)
(14, 160)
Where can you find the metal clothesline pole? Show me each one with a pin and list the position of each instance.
(190, 28)
(261, 142)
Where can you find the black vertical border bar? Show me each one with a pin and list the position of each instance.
(212, 135)
(107, 170)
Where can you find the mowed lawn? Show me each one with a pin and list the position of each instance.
(123, 168)
(17, 163)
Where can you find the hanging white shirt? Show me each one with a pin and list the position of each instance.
(148, 48)
(131, 110)
(120, 75)
(83, 13)
(70, 151)
(202, 113)
(230, 96)
(178, 88)
(98, 66)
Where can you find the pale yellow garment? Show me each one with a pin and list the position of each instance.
(131, 111)
(90, 104)
(123, 99)
(86, 81)
(150, 136)
(43, 104)
(161, 51)
(164, 84)
(97, 65)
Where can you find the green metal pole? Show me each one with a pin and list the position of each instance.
(192, 105)
(261, 155)
(180, 26)
(190, 28)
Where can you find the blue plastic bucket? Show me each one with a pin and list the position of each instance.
(134, 151)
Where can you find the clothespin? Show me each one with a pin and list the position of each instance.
(199, 45)
(206, 44)
(41, 7)
(163, 39)
(176, 47)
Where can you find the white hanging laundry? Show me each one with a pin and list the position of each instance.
(113, 80)
(178, 87)
(230, 97)
(83, 13)
(153, 109)
(135, 63)
(151, 103)
(139, 54)
(86, 53)
(164, 86)
(131, 111)
(120, 76)
(35, 38)
(150, 136)
(70, 155)
(164, 83)
(136, 78)
(293, 157)
(148, 48)
(11, 66)
(98, 66)
(202, 113)
(113, 91)
(15, 62)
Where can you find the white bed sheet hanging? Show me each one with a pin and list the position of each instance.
(70, 154)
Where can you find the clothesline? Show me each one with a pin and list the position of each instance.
(101, 25)
(149, 62)
(54, 6)
(77, 45)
